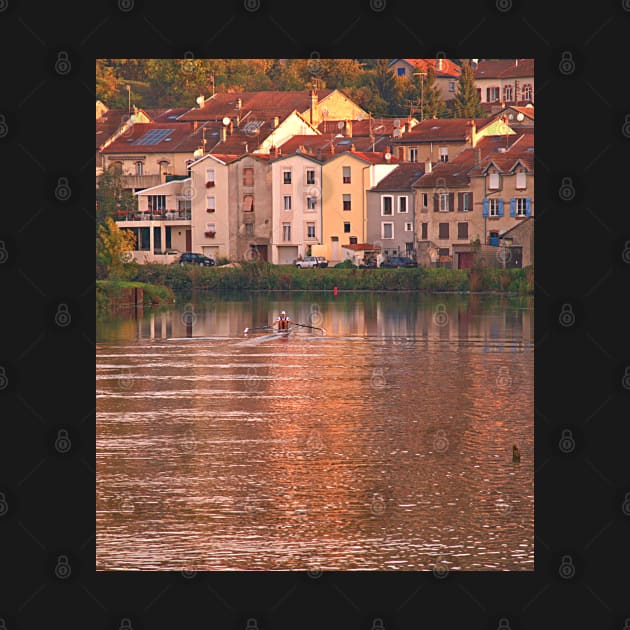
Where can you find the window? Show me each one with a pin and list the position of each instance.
(310, 176)
(451, 86)
(211, 201)
(188, 163)
(210, 176)
(493, 181)
(401, 72)
(353, 240)
(184, 205)
(139, 168)
(211, 227)
(492, 94)
(462, 231)
(521, 206)
(527, 92)
(249, 229)
(493, 207)
(248, 203)
(443, 251)
(443, 231)
(248, 176)
(443, 201)
(443, 154)
(387, 230)
(346, 175)
(310, 230)
(347, 202)
(311, 203)
(157, 202)
(413, 155)
(346, 227)
(424, 232)
(425, 200)
(402, 204)
(464, 202)
(286, 176)
(408, 227)
(508, 93)
(163, 166)
(386, 205)
(287, 202)
(286, 231)
(521, 180)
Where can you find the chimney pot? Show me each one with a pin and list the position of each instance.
(223, 133)
(239, 103)
(428, 166)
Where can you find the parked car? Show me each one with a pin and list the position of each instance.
(311, 261)
(368, 263)
(398, 261)
(192, 258)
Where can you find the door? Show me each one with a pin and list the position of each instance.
(494, 239)
(157, 240)
(334, 248)
(262, 252)
(464, 260)
(188, 240)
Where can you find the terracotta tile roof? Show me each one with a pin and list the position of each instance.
(314, 144)
(156, 138)
(374, 157)
(402, 177)
(380, 126)
(271, 103)
(442, 129)
(165, 114)
(108, 124)
(449, 174)
(449, 68)
(504, 69)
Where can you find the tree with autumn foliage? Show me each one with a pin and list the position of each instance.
(113, 248)
(467, 103)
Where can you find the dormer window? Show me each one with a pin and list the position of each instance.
(521, 180)
(493, 181)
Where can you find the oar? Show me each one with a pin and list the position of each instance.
(307, 326)
(257, 328)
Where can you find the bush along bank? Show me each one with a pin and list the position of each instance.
(113, 294)
(264, 276)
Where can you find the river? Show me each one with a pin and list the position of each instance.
(383, 442)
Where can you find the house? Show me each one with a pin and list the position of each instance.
(442, 139)
(162, 221)
(446, 73)
(249, 207)
(147, 152)
(478, 196)
(360, 253)
(519, 241)
(211, 232)
(517, 117)
(296, 206)
(346, 177)
(507, 81)
(391, 210)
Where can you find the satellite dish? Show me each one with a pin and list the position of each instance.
(396, 133)
(226, 121)
(359, 117)
(388, 156)
(520, 116)
(397, 123)
(340, 124)
(200, 100)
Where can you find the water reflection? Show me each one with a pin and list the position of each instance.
(385, 444)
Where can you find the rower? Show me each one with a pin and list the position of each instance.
(283, 321)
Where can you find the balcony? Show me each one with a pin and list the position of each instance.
(141, 181)
(165, 215)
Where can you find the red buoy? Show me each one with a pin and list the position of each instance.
(335, 291)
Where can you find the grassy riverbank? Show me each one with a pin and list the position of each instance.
(116, 293)
(263, 276)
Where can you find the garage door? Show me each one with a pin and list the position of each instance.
(211, 250)
(287, 255)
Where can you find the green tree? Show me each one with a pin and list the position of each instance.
(112, 196)
(466, 103)
(433, 104)
(106, 82)
(113, 246)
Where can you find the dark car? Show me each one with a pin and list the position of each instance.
(398, 261)
(195, 259)
(368, 263)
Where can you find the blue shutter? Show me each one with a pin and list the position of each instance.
(485, 208)
(528, 207)
(500, 207)
(512, 207)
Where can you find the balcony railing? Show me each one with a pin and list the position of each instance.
(167, 215)
(142, 181)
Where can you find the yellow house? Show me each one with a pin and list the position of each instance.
(346, 177)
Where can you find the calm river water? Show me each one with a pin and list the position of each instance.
(383, 444)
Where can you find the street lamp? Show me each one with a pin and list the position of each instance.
(128, 88)
(422, 75)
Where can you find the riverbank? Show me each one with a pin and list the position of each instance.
(263, 276)
(115, 294)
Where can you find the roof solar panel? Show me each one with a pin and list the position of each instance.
(153, 136)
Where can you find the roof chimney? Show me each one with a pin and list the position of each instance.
(201, 100)
(477, 155)
(276, 122)
(438, 63)
(428, 166)
(352, 147)
(223, 135)
(272, 152)
(473, 132)
(239, 103)
(516, 63)
(314, 112)
(347, 129)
